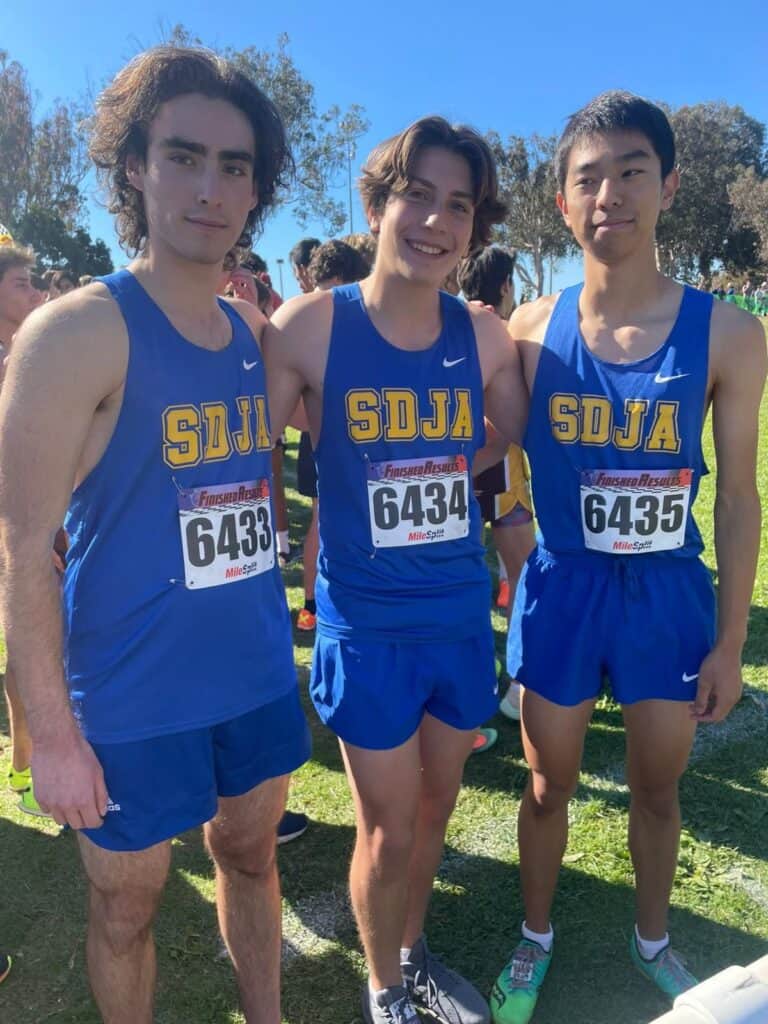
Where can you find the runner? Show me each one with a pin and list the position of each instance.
(332, 264)
(60, 283)
(300, 256)
(392, 374)
(18, 298)
(622, 370)
(183, 706)
(502, 490)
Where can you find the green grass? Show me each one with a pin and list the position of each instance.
(720, 900)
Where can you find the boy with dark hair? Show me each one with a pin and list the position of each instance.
(502, 490)
(300, 256)
(182, 706)
(61, 282)
(622, 371)
(487, 276)
(393, 375)
(17, 293)
(17, 300)
(334, 263)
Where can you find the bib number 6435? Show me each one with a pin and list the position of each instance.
(628, 512)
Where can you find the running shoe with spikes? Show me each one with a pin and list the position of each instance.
(667, 970)
(516, 990)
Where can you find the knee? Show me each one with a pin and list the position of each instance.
(436, 808)
(660, 800)
(122, 917)
(250, 855)
(388, 848)
(548, 795)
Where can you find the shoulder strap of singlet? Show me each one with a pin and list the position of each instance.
(694, 318)
(562, 329)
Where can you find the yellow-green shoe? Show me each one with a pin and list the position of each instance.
(19, 781)
(29, 805)
(516, 990)
(5, 966)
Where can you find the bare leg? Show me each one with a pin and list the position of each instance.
(124, 891)
(659, 738)
(21, 742)
(241, 839)
(311, 547)
(553, 740)
(514, 544)
(443, 753)
(386, 788)
(278, 492)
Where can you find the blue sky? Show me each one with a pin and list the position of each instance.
(515, 68)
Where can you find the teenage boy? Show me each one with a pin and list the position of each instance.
(182, 706)
(392, 373)
(622, 371)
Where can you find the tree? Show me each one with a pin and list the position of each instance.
(715, 143)
(43, 161)
(534, 226)
(322, 143)
(56, 246)
(749, 198)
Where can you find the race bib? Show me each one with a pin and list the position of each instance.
(632, 512)
(226, 533)
(418, 501)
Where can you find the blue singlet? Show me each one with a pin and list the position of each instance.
(174, 606)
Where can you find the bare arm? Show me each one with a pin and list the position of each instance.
(493, 451)
(506, 396)
(295, 347)
(61, 369)
(739, 368)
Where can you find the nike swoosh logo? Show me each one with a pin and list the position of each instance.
(447, 363)
(658, 379)
(250, 366)
(689, 679)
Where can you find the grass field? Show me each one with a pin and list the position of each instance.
(720, 900)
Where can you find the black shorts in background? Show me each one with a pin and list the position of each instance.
(306, 474)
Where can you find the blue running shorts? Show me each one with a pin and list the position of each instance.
(163, 786)
(374, 693)
(644, 623)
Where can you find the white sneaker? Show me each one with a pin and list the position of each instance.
(510, 705)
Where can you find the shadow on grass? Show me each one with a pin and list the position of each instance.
(474, 921)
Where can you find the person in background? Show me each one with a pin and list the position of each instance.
(300, 255)
(502, 490)
(333, 263)
(18, 297)
(61, 282)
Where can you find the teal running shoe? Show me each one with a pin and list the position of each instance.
(516, 990)
(667, 970)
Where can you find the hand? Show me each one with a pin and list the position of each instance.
(719, 687)
(69, 781)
